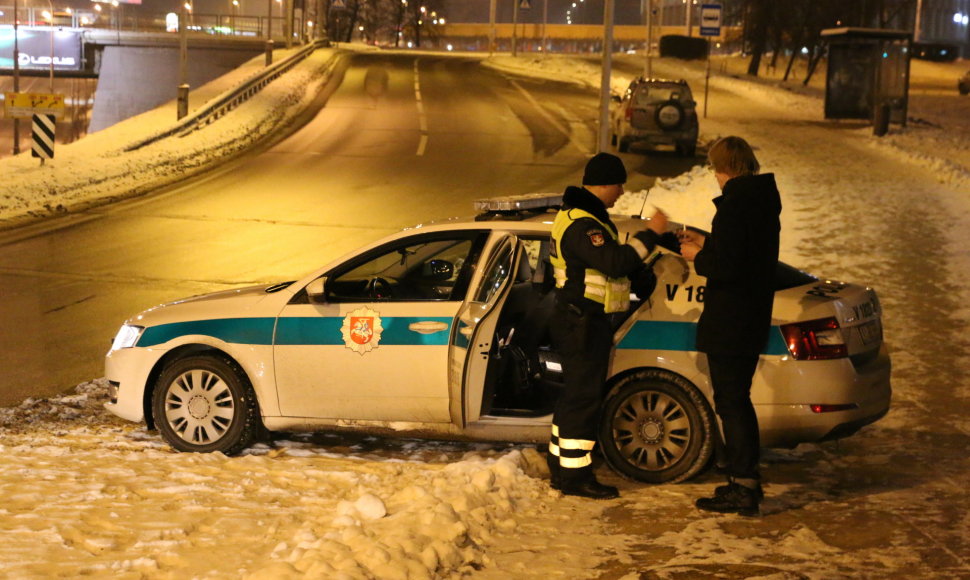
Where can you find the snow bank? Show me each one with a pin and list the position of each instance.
(105, 497)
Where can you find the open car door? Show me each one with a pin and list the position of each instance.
(474, 334)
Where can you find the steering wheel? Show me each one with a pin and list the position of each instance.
(379, 288)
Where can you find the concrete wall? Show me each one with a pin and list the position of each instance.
(135, 79)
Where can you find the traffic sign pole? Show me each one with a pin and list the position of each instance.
(710, 26)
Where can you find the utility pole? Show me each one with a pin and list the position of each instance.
(491, 27)
(515, 26)
(183, 88)
(604, 137)
(919, 21)
(16, 78)
(269, 32)
(690, 18)
(648, 53)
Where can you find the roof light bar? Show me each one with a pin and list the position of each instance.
(521, 202)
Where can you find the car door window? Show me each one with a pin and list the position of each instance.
(497, 273)
(423, 268)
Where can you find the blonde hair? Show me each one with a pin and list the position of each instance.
(733, 156)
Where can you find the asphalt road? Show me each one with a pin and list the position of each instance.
(404, 139)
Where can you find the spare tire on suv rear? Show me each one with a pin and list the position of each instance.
(669, 115)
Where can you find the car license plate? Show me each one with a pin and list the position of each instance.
(870, 331)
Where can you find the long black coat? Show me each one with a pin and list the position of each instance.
(739, 259)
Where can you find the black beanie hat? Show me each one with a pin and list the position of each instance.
(604, 169)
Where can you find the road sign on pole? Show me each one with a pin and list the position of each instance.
(525, 4)
(26, 105)
(710, 20)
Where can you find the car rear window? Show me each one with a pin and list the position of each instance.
(652, 94)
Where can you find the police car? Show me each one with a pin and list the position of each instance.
(441, 331)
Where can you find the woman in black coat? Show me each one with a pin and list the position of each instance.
(739, 259)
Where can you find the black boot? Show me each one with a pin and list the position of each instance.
(723, 489)
(555, 477)
(581, 482)
(736, 499)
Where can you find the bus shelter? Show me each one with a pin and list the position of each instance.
(868, 74)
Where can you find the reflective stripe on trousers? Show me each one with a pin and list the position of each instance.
(572, 453)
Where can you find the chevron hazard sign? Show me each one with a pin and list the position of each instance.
(43, 146)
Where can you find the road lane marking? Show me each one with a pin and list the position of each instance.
(552, 121)
(422, 117)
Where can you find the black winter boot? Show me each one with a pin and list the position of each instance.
(723, 489)
(582, 482)
(736, 499)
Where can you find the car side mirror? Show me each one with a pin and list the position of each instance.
(437, 270)
(316, 291)
(616, 98)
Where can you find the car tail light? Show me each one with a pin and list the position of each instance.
(628, 114)
(815, 339)
(817, 408)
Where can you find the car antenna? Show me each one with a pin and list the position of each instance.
(644, 206)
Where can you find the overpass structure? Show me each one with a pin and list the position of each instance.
(131, 72)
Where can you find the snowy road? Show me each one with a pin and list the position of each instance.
(89, 494)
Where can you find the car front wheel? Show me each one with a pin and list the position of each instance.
(657, 427)
(205, 403)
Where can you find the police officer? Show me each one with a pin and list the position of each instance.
(592, 270)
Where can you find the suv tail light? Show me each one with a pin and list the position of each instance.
(815, 339)
(628, 114)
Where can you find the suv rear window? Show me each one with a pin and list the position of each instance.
(650, 94)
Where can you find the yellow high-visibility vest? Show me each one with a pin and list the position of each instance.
(612, 293)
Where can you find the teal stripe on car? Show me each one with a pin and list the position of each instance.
(235, 330)
(326, 331)
(295, 331)
(680, 336)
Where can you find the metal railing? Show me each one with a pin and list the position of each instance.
(215, 109)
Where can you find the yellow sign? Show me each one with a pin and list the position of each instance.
(26, 105)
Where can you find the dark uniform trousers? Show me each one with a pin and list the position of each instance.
(584, 340)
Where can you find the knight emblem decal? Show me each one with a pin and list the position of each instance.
(362, 330)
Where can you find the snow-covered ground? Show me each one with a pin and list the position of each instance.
(86, 494)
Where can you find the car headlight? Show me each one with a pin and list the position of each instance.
(127, 336)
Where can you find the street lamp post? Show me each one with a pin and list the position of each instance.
(604, 129)
(16, 78)
(232, 17)
(183, 88)
(491, 27)
(50, 19)
(269, 32)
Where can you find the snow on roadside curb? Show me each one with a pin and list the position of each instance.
(97, 169)
(107, 497)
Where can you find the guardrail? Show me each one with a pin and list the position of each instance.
(231, 99)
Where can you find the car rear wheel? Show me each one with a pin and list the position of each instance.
(657, 427)
(205, 403)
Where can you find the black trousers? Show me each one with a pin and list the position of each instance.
(731, 378)
(584, 342)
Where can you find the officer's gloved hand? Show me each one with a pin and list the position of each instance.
(670, 241)
(643, 282)
(648, 238)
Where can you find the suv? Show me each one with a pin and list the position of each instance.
(656, 112)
